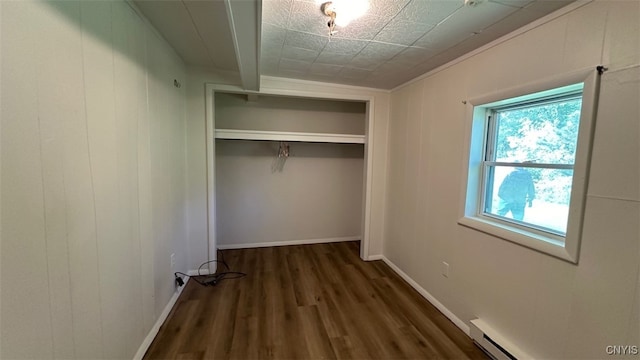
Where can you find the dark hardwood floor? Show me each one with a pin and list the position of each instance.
(308, 302)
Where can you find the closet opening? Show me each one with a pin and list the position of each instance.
(287, 169)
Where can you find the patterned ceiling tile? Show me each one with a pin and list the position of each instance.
(466, 46)
(546, 6)
(294, 65)
(387, 8)
(345, 46)
(364, 28)
(354, 73)
(364, 62)
(516, 3)
(388, 74)
(305, 40)
(413, 55)
(389, 69)
(294, 53)
(442, 37)
(276, 12)
(375, 54)
(271, 50)
(394, 42)
(482, 16)
(272, 40)
(307, 17)
(402, 32)
(462, 24)
(374, 50)
(429, 11)
(380, 51)
(511, 23)
(272, 34)
(425, 67)
(325, 69)
(269, 65)
(292, 74)
(327, 57)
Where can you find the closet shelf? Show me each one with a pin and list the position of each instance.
(288, 136)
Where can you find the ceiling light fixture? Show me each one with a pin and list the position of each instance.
(472, 3)
(342, 12)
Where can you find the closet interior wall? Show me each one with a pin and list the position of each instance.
(315, 197)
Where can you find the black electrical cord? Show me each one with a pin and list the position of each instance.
(212, 279)
(210, 261)
(216, 278)
(180, 282)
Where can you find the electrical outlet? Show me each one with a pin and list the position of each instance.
(173, 260)
(445, 269)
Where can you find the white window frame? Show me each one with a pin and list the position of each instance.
(471, 214)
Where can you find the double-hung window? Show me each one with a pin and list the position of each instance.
(529, 159)
(528, 164)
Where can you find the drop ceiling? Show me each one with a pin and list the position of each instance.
(395, 41)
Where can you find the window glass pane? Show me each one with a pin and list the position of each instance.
(533, 196)
(544, 133)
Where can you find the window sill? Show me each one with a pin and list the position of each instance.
(535, 241)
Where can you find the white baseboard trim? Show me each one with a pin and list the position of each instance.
(156, 327)
(375, 257)
(288, 242)
(459, 323)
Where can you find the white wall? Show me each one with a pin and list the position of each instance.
(93, 184)
(277, 113)
(317, 195)
(197, 240)
(549, 307)
(196, 151)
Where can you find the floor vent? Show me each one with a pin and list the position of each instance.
(494, 344)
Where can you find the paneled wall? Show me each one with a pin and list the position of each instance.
(92, 179)
(550, 308)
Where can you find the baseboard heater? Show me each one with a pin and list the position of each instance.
(494, 344)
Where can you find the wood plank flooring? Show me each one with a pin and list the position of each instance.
(308, 302)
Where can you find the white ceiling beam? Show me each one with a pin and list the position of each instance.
(245, 19)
